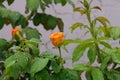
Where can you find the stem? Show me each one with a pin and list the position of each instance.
(60, 52)
(92, 32)
(99, 55)
(90, 23)
(31, 14)
(61, 60)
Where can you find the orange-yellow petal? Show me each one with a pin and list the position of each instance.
(57, 38)
(15, 30)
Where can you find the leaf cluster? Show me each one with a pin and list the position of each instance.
(97, 47)
(21, 59)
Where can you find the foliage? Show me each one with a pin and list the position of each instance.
(22, 59)
(96, 47)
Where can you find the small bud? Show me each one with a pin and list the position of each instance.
(57, 38)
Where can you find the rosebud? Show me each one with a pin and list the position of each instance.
(57, 38)
(17, 32)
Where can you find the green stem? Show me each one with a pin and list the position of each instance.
(99, 55)
(60, 52)
(92, 32)
(90, 23)
(31, 14)
(61, 59)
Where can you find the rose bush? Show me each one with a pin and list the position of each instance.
(21, 58)
(97, 48)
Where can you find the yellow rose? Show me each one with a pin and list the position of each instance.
(57, 38)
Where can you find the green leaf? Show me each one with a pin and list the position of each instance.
(51, 23)
(33, 41)
(97, 74)
(71, 3)
(106, 30)
(3, 44)
(88, 75)
(63, 2)
(10, 61)
(43, 18)
(55, 66)
(92, 55)
(105, 44)
(2, 20)
(20, 58)
(48, 21)
(13, 17)
(81, 11)
(81, 67)
(57, 1)
(76, 25)
(109, 51)
(86, 4)
(72, 75)
(42, 75)
(70, 41)
(47, 1)
(15, 63)
(80, 49)
(104, 63)
(13, 71)
(22, 21)
(78, 53)
(23, 59)
(60, 24)
(10, 2)
(47, 54)
(37, 20)
(2, 5)
(4, 12)
(42, 6)
(102, 20)
(38, 41)
(35, 49)
(116, 57)
(68, 74)
(38, 65)
(1, 1)
(115, 32)
(33, 4)
(54, 77)
(113, 75)
(3, 77)
(15, 48)
(28, 31)
(102, 38)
